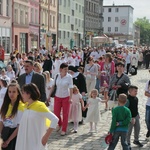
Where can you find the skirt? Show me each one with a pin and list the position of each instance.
(6, 132)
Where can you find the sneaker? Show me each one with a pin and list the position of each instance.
(63, 133)
(75, 131)
(129, 146)
(138, 143)
(58, 128)
(148, 134)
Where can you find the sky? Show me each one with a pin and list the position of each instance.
(141, 7)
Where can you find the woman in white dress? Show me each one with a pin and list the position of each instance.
(93, 114)
(33, 133)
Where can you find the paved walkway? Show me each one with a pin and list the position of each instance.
(83, 140)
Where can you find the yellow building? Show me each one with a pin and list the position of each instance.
(48, 23)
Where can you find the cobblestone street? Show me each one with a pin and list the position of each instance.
(83, 140)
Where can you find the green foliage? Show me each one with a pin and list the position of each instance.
(144, 25)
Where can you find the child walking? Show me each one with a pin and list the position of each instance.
(132, 104)
(93, 114)
(121, 117)
(75, 108)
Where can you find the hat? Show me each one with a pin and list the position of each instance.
(72, 68)
(108, 139)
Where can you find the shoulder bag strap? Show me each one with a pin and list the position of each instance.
(56, 79)
(119, 78)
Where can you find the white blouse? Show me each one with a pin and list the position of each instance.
(63, 85)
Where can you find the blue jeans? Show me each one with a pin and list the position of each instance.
(115, 139)
(147, 117)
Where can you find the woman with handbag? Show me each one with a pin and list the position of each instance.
(90, 72)
(119, 81)
(63, 85)
(11, 112)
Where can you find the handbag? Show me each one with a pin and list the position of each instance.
(54, 88)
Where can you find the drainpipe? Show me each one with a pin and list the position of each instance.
(12, 23)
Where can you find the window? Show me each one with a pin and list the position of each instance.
(109, 29)
(26, 18)
(79, 23)
(50, 21)
(53, 21)
(116, 19)
(76, 21)
(16, 15)
(64, 3)
(59, 18)
(109, 19)
(68, 19)
(72, 12)
(76, 6)
(60, 2)
(36, 16)
(68, 34)
(116, 9)
(79, 8)
(7, 7)
(21, 17)
(64, 33)
(22, 42)
(1, 7)
(68, 2)
(64, 18)
(32, 14)
(72, 27)
(83, 10)
(116, 29)
(59, 34)
(109, 9)
(54, 3)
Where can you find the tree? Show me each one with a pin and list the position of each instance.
(144, 25)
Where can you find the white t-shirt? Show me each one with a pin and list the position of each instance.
(147, 89)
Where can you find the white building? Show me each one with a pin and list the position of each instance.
(118, 22)
(71, 23)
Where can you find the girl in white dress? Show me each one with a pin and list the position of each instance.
(3, 85)
(75, 114)
(10, 72)
(93, 114)
(49, 84)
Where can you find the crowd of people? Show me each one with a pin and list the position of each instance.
(79, 78)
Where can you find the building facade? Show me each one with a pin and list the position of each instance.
(20, 25)
(93, 20)
(48, 23)
(71, 23)
(34, 24)
(118, 22)
(5, 24)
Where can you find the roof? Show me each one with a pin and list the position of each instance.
(118, 6)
